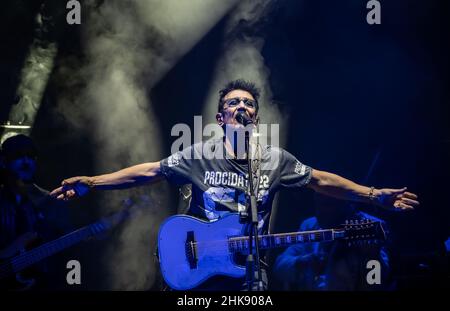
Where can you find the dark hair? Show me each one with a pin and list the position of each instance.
(239, 84)
(17, 146)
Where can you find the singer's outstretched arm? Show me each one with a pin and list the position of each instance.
(341, 188)
(132, 176)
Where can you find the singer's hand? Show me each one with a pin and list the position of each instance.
(397, 199)
(73, 187)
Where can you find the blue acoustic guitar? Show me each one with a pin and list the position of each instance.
(192, 250)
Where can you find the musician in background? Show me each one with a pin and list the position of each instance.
(217, 170)
(28, 215)
(331, 265)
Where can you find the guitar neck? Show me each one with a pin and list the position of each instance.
(239, 244)
(39, 253)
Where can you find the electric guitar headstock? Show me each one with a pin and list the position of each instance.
(108, 222)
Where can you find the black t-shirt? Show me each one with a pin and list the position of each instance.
(219, 182)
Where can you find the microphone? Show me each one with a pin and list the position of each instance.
(242, 118)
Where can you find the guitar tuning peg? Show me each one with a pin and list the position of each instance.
(346, 222)
(351, 222)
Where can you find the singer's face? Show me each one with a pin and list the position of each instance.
(230, 111)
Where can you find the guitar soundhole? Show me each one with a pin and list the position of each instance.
(191, 250)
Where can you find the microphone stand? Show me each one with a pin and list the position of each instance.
(252, 261)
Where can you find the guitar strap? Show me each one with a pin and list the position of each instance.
(185, 199)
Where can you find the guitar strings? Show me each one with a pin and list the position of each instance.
(241, 243)
(21, 261)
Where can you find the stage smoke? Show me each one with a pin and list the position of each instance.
(128, 47)
(242, 59)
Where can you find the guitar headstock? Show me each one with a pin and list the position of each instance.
(363, 230)
(109, 222)
(130, 209)
(115, 219)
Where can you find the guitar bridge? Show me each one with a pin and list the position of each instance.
(191, 250)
